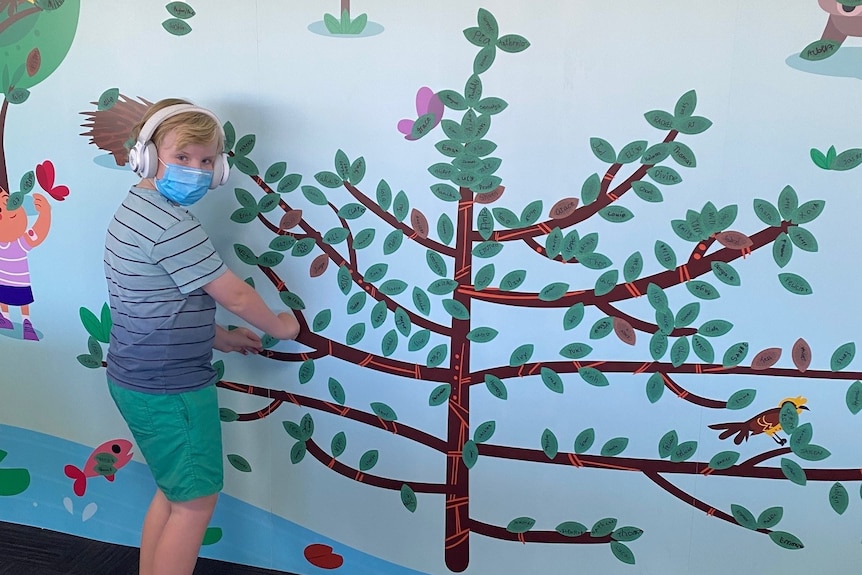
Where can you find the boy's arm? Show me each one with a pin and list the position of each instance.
(241, 299)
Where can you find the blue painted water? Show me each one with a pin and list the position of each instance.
(114, 511)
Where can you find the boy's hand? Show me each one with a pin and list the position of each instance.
(239, 339)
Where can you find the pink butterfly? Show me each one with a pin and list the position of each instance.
(429, 109)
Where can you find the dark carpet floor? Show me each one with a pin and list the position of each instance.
(33, 551)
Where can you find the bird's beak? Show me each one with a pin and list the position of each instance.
(803, 407)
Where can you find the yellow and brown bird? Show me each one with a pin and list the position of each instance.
(767, 422)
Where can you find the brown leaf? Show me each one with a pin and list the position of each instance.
(801, 355)
(419, 223)
(319, 265)
(734, 240)
(766, 358)
(491, 196)
(290, 219)
(34, 62)
(563, 208)
(624, 331)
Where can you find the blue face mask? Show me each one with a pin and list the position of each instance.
(184, 185)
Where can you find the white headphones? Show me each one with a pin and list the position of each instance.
(144, 159)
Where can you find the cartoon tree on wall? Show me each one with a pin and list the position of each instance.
(463, 254)
(34, 39)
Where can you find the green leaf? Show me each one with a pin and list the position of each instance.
(408, 498)
(683, 155)
(614, 447)
(435, 263)
(482, 334)
(802, 238)
(521, 355)
(314, 195)
(686, 104)
(793, 471)
(226, 415)
(593, 376)
(550, 444)
(602, 328)
(724, 460)
(854, 397)
(383, 411)
(603, 150)
(743, 516)
(808, 212)
(622, 552)
(520, 525)
(355, 333)
(843, 356)
(632, 152)
(368, 460)
(496, 386)
(616, 214)
(668, 443)
(288, 183)
(440, 395)
(357, 171)
(306, 371)
(584, 440)
(702, 348)
(573, 316)
(336, 390)
(437, 355)
(590, 189)
(692, 125)
(839, 499)
(659, 119)
(484, 431)
(470, 453)
(513, 43)
(633, 267)
(767, 213)
(571, 529)
(456, 309)
(419, 340)
(735, 354)
(725, 273)
(484, 277)
(513, 280)
(665, 255)
(770, 517)
(795, 284)
(603, 527)
(741, 399)
(604, 284)
(655, 387)
(782, 249)
(664, 175)
(446, 192)
(679, 351)
(552, 380)
(786, 540)
(553, 291)
(389, 343)
(445, 229)
(847, 160)
(683, 451)
(275, 172)
(245, 254)
(702, 290)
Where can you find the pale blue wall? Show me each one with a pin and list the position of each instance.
(592, 70)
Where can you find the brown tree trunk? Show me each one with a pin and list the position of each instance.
(457, 552)
(345, 5)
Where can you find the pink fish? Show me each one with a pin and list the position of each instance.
(429, 109)
(105, 460)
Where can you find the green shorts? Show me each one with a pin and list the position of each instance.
(179, 436)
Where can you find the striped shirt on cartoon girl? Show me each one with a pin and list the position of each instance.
(16, 241)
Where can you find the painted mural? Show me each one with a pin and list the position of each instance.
(605, 311)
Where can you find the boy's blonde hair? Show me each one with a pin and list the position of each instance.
(191, 127)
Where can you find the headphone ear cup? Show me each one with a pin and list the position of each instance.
(148, 161)
(135, 158)
(221, 171)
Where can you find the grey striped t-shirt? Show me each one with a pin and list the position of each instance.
(157, 259)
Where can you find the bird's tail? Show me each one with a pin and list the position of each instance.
(80, 480)
(740, 429)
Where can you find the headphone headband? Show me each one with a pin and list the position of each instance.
(154, 121)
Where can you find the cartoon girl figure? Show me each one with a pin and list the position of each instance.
(16, 240)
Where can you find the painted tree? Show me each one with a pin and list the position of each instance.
(35, 37)
(462, 250)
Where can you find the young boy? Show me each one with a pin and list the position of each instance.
(164, 278)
